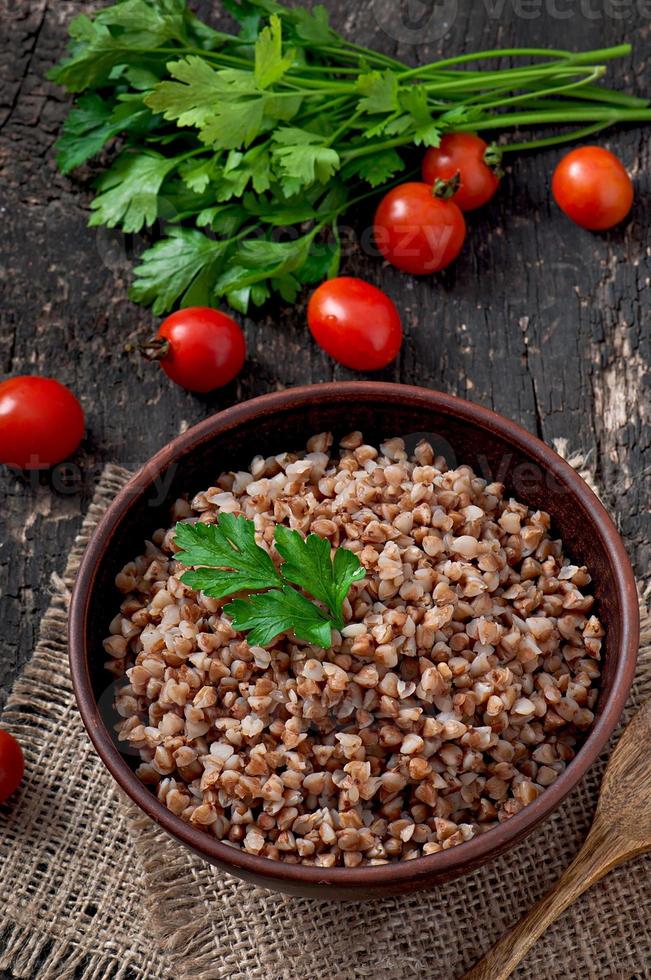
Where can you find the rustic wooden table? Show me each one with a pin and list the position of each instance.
(538, 319)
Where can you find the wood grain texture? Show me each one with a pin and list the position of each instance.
(621, 830)
(538, 319)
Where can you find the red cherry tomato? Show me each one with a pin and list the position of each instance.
(41, 422)
(355, 323)
(462, 154)
(205, 348)
(592, 187)
(12, 766)
(417, 231)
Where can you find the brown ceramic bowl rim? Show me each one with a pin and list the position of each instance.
(454, 860)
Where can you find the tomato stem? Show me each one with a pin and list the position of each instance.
(155, 349)
(445, 189)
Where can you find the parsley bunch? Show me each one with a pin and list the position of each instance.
(226, 140)
(226, 560)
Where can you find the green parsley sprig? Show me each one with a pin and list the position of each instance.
(225, 559)
(226, 139)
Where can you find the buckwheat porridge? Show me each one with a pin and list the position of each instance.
(459, 689)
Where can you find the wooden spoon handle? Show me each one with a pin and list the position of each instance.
(594, 860)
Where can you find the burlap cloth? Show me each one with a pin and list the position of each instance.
(91, 889)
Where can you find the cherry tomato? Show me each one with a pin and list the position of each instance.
(417, 231)
(12, 766)
(592, 187)
(205, 348)
(462, 154)
(41, 422)
(355, 323)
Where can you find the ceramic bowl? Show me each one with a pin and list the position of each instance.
(465, 433)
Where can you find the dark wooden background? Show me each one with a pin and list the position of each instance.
(538, 319)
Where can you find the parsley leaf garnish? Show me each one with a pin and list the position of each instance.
(92, 123)
(268, 614)
(235, 562)
(126, 33)
(233, 124)
(303, 157)
(322, 262)
(198, 91)
(426, 131)
(307, 563)
(380, 91)
(270, 63)
(185, 261)
(377, 168)
(313, 25)
(226, 559)
(242, 169)
(128, 192)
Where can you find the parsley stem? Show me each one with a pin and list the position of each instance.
(582, 57)
(608, 115)
(226, 59)
(362, 151)
(344, 127)
(332, 87)
(497, 79)
(604, 116)
(598, 93)
(444, 81)
(356, 51)
(329, 70)
(330, 108)
(554, 90)
(576, 134)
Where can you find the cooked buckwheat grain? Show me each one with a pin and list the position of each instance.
(457, 692)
